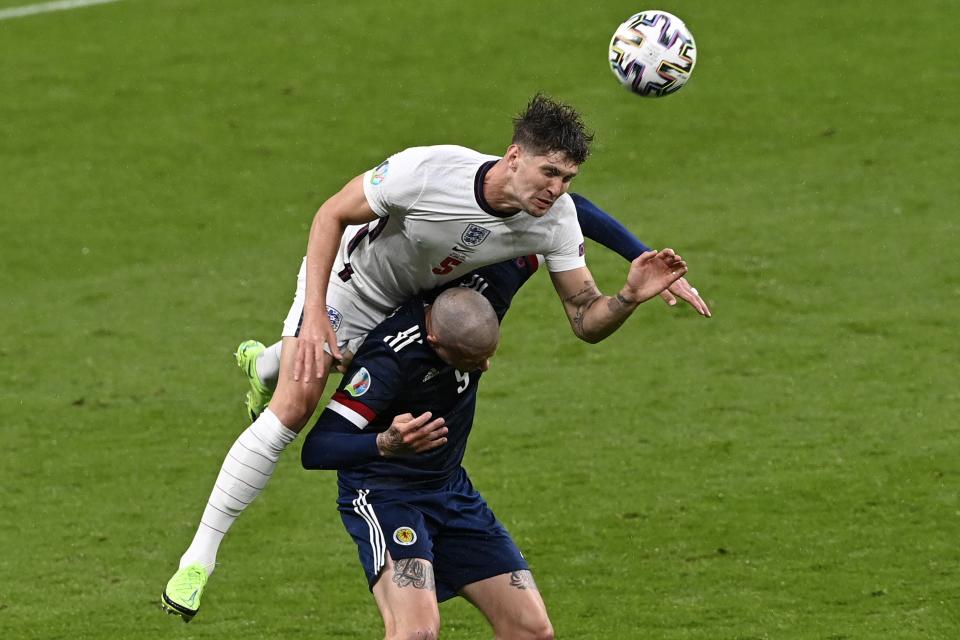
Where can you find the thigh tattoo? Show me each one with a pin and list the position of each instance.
(413, 572)
(522, 580)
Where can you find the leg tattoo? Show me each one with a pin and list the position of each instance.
(413, 572)
(522, 580)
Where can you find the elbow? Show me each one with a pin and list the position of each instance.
(306, 459)
(311, 456)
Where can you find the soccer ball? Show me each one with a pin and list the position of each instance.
(652, 53)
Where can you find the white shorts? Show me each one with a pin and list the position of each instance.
(351, 316)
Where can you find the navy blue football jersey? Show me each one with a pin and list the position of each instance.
(395, 372)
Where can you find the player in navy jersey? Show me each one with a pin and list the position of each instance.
(424, 534)
(596, 224)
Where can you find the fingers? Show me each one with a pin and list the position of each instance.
(671, 259)
(430, 436)
(421, 433)
(331, 339)
(303, 356)
(645, 257)
(692, 297)
(408, 422)
(668, 297)
(689, 294)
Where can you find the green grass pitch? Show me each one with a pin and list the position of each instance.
(786, 470)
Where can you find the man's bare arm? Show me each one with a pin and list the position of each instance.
(594, 316)
(348, 206)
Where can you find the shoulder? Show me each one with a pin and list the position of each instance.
(564, 209)
(401, 334)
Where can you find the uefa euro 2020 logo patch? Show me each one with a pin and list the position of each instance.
(404, 536)
(474, 235)
(335, 317)
(359, 384)
(380, 173)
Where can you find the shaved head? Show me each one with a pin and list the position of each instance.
(463, 323)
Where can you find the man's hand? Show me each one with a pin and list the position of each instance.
(686, 292)
(650, 274)
(344, 363)
(315, 332)
(408, 435)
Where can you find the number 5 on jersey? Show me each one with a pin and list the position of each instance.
(446, 266)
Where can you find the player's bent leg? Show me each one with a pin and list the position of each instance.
(245, 472)
(295, 401)
(512, 604)
(406, 595)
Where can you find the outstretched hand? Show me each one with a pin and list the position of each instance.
(686, 292)
(652, 273)
(408, 435)
(315, 332)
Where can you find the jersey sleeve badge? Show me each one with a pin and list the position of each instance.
(359, 384)
(379, 174)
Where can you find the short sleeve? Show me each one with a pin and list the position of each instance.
(370, 385)
(395, 185)
(566, 250)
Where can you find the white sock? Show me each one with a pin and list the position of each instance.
(245, 472)
(268, 365)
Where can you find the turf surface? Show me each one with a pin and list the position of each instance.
(787, 469)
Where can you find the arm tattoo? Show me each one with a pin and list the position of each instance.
(389, 441)
(584, 299)
(623, 301)
(413, 572)
(522, 580)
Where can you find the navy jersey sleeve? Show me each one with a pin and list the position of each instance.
(600, 226)
(338, 440)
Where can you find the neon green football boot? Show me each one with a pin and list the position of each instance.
(183, 592)
(258, 397)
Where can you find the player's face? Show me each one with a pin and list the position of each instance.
(540, 179)
(460, 361)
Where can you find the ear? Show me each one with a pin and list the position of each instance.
(512, 156)
(432, 341)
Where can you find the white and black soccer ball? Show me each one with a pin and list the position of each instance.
(653, 53)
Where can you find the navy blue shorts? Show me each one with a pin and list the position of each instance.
(452, 527)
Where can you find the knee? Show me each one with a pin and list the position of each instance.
(542, 632)
(539, 629)
(295, 407)
(426, 631)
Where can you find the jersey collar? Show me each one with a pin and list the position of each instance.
(478, 192)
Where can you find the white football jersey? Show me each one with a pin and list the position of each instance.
(435, 225)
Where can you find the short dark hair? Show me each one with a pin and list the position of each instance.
(546, 126)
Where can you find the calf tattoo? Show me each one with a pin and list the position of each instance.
(413, 572)
(522, 580)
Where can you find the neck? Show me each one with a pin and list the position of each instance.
(496, 188)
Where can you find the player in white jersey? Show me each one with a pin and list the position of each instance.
(430, 214)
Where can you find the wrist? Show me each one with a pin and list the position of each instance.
(626, 299)
(381, 448)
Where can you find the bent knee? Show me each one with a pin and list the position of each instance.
(419, 632)
(295, 406)
(543, 632)
(539, 629)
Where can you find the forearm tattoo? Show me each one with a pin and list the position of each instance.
(389, 441)
(583, 299)
(522, 580)
(413, 572)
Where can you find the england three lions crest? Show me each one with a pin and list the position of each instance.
(474, 235)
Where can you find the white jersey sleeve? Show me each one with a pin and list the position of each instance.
(567, 244)
(394, 186)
